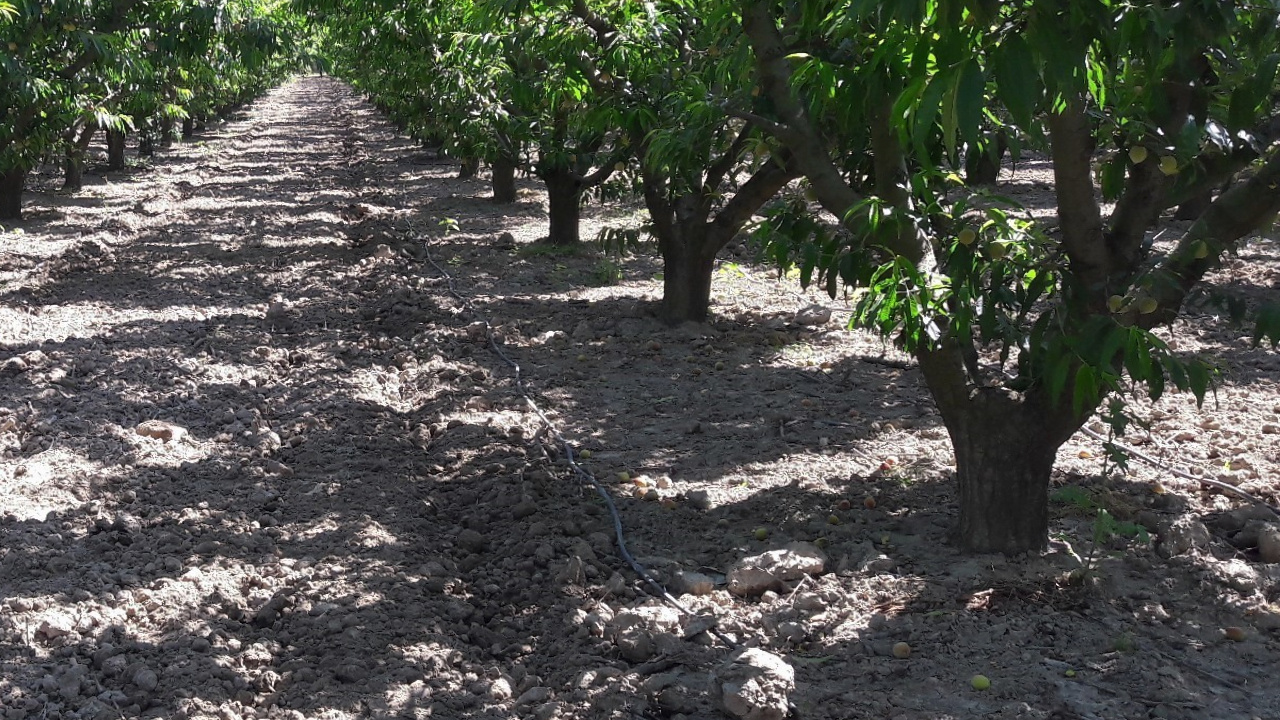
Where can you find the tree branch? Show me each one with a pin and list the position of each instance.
(727, 160)
(756, 191)
(1071, 136)
(1237, 212)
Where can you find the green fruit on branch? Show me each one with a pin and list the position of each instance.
(1137, 154)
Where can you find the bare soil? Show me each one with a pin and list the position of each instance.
(257, 461)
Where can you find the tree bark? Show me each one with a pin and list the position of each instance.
(12, 182)
(504, 180)
(688, 262)
(468, 168)
(188, 127)
(564, 196)
(166, 132)
(115, 150)
(1005, 444)
(146, 145)
(73, 165)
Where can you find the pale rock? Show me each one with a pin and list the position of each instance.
(56, 625)
(640, 633)
(534, 695)
(756, 685)
(499, 690)
(812, 315)
(754, 575)
(693, 583)
(699, 499)
(1269, 544)
(1182, 535)
(161, 430)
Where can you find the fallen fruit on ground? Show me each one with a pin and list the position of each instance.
(980, 682)
(901, 650)
(1233, 633)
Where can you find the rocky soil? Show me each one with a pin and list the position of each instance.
(257, 461)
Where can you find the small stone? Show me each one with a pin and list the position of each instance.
(754, 575)
(145, 678)
(351, 673)
(56, 626)
(500, 690)
(161, 430)
(472, 541)
(693, 583)
(812, 315)
(699, 499)
(534, 695)
(1182, 535)
(756, 685)
(1269, 544)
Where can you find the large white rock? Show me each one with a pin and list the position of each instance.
(754, 575)
(756, 685)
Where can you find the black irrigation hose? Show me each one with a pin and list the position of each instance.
(564, 444)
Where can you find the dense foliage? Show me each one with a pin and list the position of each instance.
(892, 117)
(69, 68)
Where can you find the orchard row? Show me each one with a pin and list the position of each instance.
(70, 69)
(895, 117)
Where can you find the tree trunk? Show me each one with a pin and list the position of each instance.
(982, 165)
(115, 150)
(146, 145)
(73, 166)
(12, 182)
(564, 196)
(687, 267)
(188, 127)
(504, 180)
(1005, 445)
(166, 132)
(468, 168)
(1003, 463)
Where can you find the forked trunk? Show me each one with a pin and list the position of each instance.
(504, 180)
(564, 197)
(12, 182)
(115, 150)
(73, 165)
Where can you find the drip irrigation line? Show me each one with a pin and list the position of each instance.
(1226, 487)
(580, 472)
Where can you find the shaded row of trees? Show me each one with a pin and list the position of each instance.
(894, 114)
(70, 69)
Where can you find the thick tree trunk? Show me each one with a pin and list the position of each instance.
(1003, 463)
(188, 127)
(687, 267)
(166, 132)
(73, 171)
(12, 182)
(1005, 444)
(564, 196)
(115, 150)
(504, 180)
(468, 168)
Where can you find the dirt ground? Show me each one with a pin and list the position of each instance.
(257, 461)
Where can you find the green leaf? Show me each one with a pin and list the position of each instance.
(1017, 82)
(970, 101)
(1086, 389)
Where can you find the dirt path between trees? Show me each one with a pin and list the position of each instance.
(258, 463)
